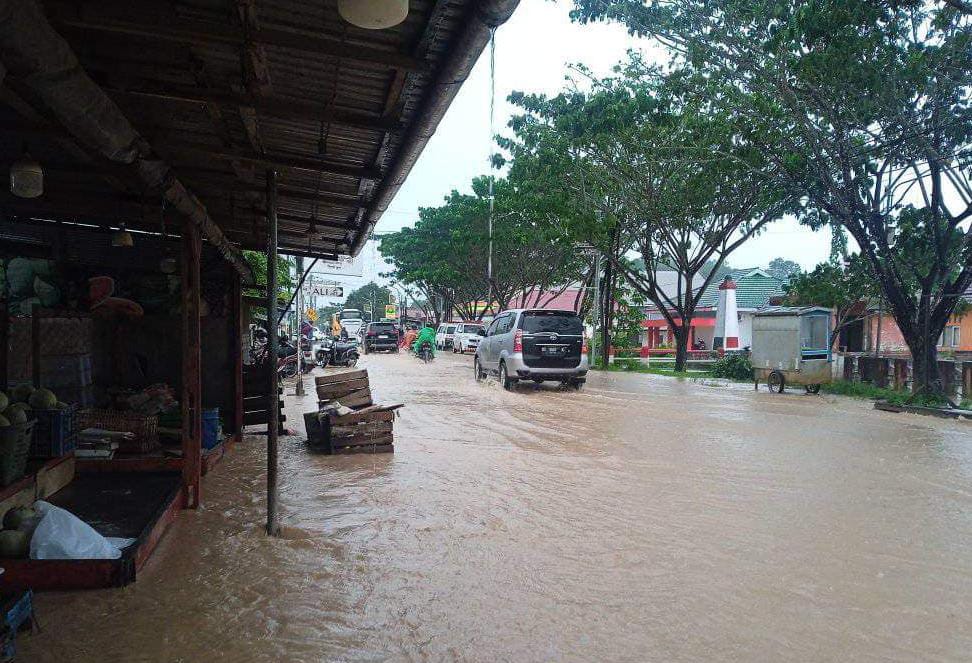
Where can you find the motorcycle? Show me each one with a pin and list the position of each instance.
(338, 353)
(307, 354)
(425, 352)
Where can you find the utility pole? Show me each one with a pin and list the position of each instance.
(299, 391)
(273, 414)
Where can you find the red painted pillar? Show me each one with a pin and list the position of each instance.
(191, 401)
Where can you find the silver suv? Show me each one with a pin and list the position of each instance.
(533, 344)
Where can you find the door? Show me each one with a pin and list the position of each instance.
(488, 344)
(551, 339)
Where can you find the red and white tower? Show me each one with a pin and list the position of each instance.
(727, 317)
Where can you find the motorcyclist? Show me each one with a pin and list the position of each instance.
(427, 335)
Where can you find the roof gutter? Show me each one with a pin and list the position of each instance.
(34, 52)
(485, 15)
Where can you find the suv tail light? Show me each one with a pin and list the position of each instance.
(584, 345)
(518, 341)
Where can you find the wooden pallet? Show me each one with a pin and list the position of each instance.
(352, 386)
(369, 430)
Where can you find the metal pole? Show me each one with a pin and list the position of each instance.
(273, 417)
(299, 391)
(597, 305)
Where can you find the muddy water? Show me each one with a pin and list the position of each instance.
(643, 518)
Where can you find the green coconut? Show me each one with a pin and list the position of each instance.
(4, 401)
(16, 415)
(21, 393)
(19, 516)
(42, 399)
(14, 544)
(4, 422)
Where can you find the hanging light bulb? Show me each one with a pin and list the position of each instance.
(121, 238)
(373, 14)
(26, 177)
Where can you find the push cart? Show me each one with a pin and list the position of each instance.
(791, 346)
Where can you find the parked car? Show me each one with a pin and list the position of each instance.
(380, 336)
(533, 344)
(444, 335)
(466, 337)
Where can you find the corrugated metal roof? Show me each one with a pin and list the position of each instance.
(224, 90)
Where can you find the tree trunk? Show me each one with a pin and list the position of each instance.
(924, 356)
(607, 303)
(681, 344)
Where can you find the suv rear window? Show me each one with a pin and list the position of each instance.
(383, 327)
(472, 329)
(558, 323)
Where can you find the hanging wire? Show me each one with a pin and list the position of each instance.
(492, 133)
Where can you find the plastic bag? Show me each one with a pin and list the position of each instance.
(62, 535)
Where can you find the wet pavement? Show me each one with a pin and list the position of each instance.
(642, 518)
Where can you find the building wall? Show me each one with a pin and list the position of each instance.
(964, 325)
(745, 329)
(891, 338)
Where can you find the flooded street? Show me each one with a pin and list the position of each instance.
(642, 518)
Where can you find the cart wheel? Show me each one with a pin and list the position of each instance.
(776, 382)
(813, 388)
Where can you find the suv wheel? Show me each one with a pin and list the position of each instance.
(478, 370)
(505, 378)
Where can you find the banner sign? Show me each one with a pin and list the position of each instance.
(343, 266)
(391, 311)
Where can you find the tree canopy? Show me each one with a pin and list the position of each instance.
(862, 107)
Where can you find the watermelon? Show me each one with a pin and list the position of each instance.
(43, 399)
(21, 393)
(18, 516)
(14, 544)
(16, 415)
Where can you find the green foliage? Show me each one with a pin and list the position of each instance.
(732, 366)
(445, 255)
(863, 109)
(258, 263)
(846, 288)
(369, 299)
(782, 269)
(650, 166)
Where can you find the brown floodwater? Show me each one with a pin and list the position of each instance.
(643, 518)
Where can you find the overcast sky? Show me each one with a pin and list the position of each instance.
(532, 53)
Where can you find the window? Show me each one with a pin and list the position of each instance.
(472, 329)
(547, 322)
(956, 336)
(505, 323)
(491, 330)
(815, 332)
(451, 329)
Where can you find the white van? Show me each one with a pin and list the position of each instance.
(467, 336)
(444, 335)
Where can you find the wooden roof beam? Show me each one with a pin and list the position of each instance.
(280, 161)
(293, 109)
(38, 55)
(202, 34)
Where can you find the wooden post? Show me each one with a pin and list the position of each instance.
(236, 338)
(4, 343)
(273, 422)
(191, 360)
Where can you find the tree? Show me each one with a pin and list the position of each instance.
(664, 174)
(783, 269)
(863, 108)
(370, 299)
(846, 288)
(446, 254)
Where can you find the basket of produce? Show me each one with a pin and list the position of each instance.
(14, 445)
(144, 428)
